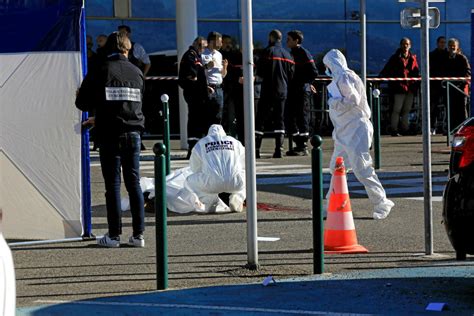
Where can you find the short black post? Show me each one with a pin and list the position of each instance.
(317, 185)
(166, 131)
(376, 123)
(160, 217)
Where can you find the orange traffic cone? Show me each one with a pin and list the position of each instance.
(339, 230)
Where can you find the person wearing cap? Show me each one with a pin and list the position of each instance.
(353, 130)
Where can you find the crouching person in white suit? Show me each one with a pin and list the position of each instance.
(218, 165)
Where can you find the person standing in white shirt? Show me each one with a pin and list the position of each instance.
(216, 70)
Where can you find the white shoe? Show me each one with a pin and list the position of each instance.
(138, 241)
(236, 204)
(219, 207)
(108, 242)
(382, 210)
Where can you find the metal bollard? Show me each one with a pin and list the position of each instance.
(376, 120)
(160, 218)
(371, 89)
(317, 192)
(166, 130)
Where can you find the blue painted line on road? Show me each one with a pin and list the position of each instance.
(412, 181)
(436, 190)
(407, 176)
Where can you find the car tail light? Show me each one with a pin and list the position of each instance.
(463, 142)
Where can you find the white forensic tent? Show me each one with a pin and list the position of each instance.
(40, 129)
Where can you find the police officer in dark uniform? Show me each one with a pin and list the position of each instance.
(300, 89)
(276, 68)
(115, 93)
(192, 78)
(233, 90)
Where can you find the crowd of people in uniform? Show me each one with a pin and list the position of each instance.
(210, 74)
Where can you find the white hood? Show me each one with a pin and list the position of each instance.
(336, 62)
(216, 130)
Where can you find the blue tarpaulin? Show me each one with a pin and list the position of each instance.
(39, 26)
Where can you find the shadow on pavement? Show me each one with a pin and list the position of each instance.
(392, 291)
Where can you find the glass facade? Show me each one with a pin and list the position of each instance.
(326, 24)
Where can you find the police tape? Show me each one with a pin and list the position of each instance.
(405, 79)
(329, 78)
(162, 78)
(419, 79)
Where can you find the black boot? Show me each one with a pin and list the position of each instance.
(191, 144)
(301, 146)
(279, 139)
(258, 144)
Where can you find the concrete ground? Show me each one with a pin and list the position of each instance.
(207, 254)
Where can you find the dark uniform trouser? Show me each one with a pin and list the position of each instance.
(457, 106)
(297, 114)
(275, 105)
(198, 117)
(436, 96)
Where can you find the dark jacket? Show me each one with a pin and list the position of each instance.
(305, 68)
(191, 67)
(276, 68)
(438, 58)
(115, 93)
(458, 66)
(234, 69)
(400, 67)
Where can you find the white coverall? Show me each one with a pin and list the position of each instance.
(218, 165)
(7, 277)
(350, 115)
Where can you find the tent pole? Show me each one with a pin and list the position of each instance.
(51, 241)
(85, 158)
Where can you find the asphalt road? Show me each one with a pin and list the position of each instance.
(211, 249)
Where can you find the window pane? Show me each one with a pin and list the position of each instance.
(299, 9)
(153, 36)
(100, 8)
(227, 9)
(382, 42)
(154, 9)
(459, 10)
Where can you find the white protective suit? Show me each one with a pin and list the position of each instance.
(218, 165)
(350, 115)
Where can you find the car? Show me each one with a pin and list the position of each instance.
(458, 196)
